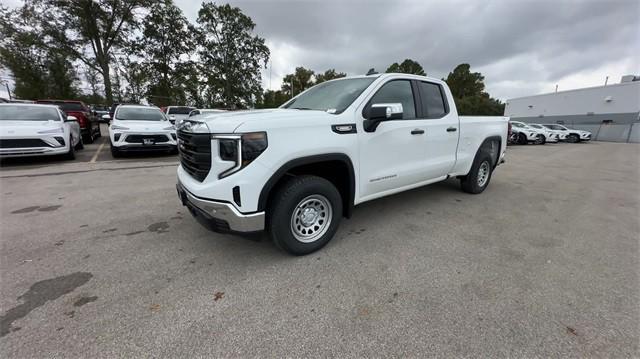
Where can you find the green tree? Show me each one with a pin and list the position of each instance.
(329, 75)
(464, 83)
(272, 99)
(136, 76)
(39, 68)
(467, 89)
(298, 81)
(164, 45)
(90, 30)
(407, 66)
(230, 56)
(91, 76)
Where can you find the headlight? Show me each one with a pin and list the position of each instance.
(241, 149)
(54, 130)
(116, 127)
(170, 128)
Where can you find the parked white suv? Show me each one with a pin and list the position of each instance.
(526, 134)
(552, 135)
(136, 128)
(37, 130)
(297, 170)
(571, 135)
(178, 113)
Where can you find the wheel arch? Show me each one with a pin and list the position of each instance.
(331, 166)
(492, 145)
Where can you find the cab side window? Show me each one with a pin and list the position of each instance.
(433, 100)
(397, 91)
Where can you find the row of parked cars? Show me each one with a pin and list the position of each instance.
(60, 127)
(539, 134)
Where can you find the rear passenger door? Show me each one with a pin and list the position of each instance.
(441, 129)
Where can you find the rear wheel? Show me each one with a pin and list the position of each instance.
(87, 138)
(479, 175)
(305, 214)
(573, 138)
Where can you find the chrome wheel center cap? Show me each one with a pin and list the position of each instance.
(309, 216)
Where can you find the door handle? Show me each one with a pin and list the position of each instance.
(417, 131)
(452, 129)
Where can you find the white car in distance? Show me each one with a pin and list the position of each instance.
(550, 135)
(178, 113)
(526, 134)
(37, 130)
(136, 128)
(571, 135)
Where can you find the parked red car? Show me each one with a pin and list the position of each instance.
(87, 119)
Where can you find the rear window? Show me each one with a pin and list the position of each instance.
(432, 100)
(139, 114)
(28, 113)
(180, 110)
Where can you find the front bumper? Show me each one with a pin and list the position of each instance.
(162, 141)
(220, 216)
(45, 149)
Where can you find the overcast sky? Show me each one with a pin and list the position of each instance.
(521, 47)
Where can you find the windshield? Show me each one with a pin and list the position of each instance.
(333, 95)
(28, 113)
(139, 114)
(179, 110)
(516, 124)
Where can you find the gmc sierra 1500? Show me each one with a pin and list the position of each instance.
(297, 170)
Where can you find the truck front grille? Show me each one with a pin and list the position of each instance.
(195, 153)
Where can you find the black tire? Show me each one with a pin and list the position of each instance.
(71, 155)
(87, 139)
(114, 151)
(471, 183)
(284, 214)
(80, 144)
(573, 138)
(522, 139)
(540, 140)
(98, 133)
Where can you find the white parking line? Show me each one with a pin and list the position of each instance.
(95, 156)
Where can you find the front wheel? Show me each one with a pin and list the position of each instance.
(479, 176)
(71, 155)
(522, 139)
(80, 144)
(305, 214)
(540, 140)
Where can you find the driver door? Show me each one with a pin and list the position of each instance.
(393, 155)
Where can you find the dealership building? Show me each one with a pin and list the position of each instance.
(610, 112)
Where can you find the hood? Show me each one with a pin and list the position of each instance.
(229, 122)
(27, 128)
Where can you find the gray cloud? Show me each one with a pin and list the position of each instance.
(537, 42)
(522, 47)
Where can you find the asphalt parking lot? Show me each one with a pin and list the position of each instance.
(99, 259)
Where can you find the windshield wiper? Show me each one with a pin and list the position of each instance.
(302, 108)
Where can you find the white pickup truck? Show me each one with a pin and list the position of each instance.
(297, 170)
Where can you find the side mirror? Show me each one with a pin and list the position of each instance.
(380, 112)
(71, 119)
